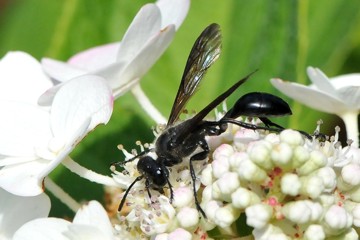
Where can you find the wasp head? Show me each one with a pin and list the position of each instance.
(155, 173)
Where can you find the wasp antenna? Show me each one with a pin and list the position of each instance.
(133, 158)
(127, 192)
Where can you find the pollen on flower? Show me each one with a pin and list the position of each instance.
(156, 215)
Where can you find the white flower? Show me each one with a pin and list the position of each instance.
(90, 222)
(287, 183)
(177, 234)
(16, 211)
(302, 211)
(22, 78)
(339, 95)
(290, 184)
(34, 139)
(337, 219)
(314, 232)
(269, 232)
(124, 64)
(188, 217)
(258, 215)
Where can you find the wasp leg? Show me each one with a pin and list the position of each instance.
(255, 127)
(197, 157)
(269, 123)
(147, 186)
(249, 126)
(165, 170)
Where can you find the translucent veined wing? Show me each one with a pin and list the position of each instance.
(203, 54)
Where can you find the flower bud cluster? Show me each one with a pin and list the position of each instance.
(287, 186)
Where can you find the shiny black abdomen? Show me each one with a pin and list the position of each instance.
(259, 104)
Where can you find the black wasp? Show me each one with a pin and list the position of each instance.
(181, 140)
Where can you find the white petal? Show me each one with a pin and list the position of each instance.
(83, 100)
(348, 87)
(84, 232)
(16, 211)
(5, 160)
(96, 58)
(321, 81)
(93, 214)
(43, 229)
(23, 179)
(113, 74)
(47, 97)
(351, 96)
(144, 60)
(145, 25)
(346, 80)
(311, 97)
(23, 127)
(173, 11)
(61, 71)
(21, 78)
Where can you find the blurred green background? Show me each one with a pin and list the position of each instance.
(280, 38)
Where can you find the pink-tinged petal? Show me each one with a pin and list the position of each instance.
(23, 128)
(84, 100)
(22, 78)
(23, 179)
(94, 214)
(321, 81)
(15, 211)
(145, 25)
(96, 58)
(43, 229)
(311, 97)
(173, 11)
(60, 71)
(148, 55)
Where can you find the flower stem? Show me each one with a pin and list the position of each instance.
(60, 194)
(147, 105)
(62, 27)
(87, 174)
(302, 49)
(351, 125)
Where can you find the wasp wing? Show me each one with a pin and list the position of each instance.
(192, 124)
(203, 54)
(202, 114)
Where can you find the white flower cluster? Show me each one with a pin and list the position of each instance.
(288, 187)
(157, 216)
